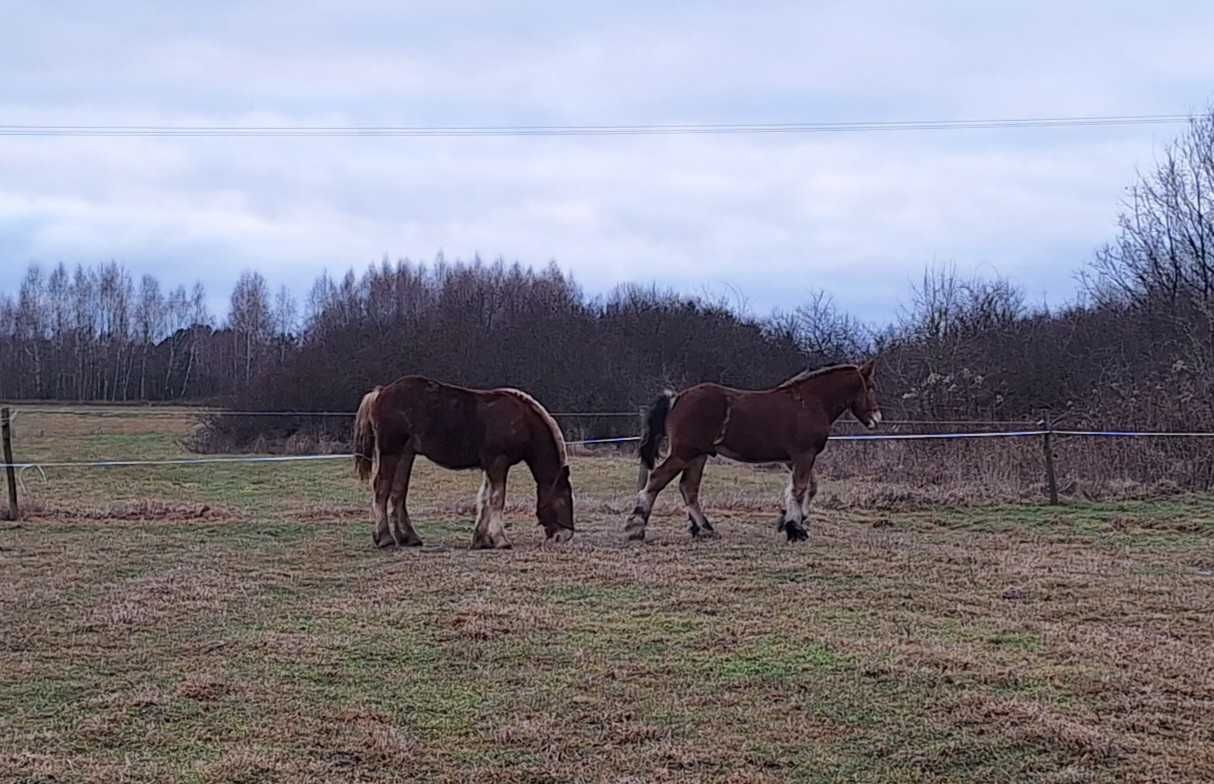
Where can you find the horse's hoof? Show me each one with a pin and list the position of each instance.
(796, 534)
(634, 530)
(407, 539)
(708, 532)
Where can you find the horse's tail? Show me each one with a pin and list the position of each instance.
(655, 429)
(365, 453)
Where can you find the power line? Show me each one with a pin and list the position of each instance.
(682, 129)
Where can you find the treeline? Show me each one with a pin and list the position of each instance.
(1136, 351)
(92, 334)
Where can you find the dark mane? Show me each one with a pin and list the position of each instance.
(807, 374)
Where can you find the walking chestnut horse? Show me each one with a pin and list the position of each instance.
(460, 428)
(788, 424)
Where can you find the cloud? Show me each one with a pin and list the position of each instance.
(768, 217)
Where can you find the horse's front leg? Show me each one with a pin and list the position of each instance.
(802, 487)
(491, 510)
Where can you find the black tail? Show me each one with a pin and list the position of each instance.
(655, 429)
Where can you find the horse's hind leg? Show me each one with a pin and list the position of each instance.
(658, 479)
(385, 477)
(402, 527)
(689, 487)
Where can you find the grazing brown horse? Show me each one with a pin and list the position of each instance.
(460, 428)
(788, 424)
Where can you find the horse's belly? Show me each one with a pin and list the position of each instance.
(754, 455)
(455, 456)
(455, 465)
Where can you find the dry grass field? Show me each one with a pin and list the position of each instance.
(233, 623)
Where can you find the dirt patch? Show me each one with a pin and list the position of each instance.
(147, 509)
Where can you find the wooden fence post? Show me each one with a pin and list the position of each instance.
(1051, 478)
(6, 435)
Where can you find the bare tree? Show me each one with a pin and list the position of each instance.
(58, 294)
(115, 290)
(31, 324)
(285, 316)
(1164, 249)
(825, 332)
(200, 321)
(149, 321)
(251, 322)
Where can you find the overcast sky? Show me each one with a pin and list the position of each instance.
(762, 218)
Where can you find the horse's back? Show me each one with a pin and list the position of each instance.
(439, 421)
(763, 425)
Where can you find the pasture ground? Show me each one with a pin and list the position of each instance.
(233, 623)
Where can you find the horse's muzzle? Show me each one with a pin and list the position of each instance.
(562, 535)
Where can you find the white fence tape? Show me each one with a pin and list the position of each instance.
(152, 411)
(587, 441)
(176, 461)
(135, 411)
(933, 436)
(1129, 434)
(619, 440)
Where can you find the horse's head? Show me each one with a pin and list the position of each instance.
(864, 405)
(554, 507)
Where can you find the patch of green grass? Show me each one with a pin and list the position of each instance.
(1175, 522)
(1021, 641)
(772, 659)
(983, 634)
(601, 596)
(107, 446)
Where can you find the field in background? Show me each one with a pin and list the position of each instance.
(233, 623)
(885, 476)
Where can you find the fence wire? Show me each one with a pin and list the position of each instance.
(251, 459)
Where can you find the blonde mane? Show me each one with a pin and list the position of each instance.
(558, 437)
(806, 375)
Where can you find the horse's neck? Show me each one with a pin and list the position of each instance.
(545, 465)
(835, 390)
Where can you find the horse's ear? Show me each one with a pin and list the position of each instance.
(563, 478)
(867, 368)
